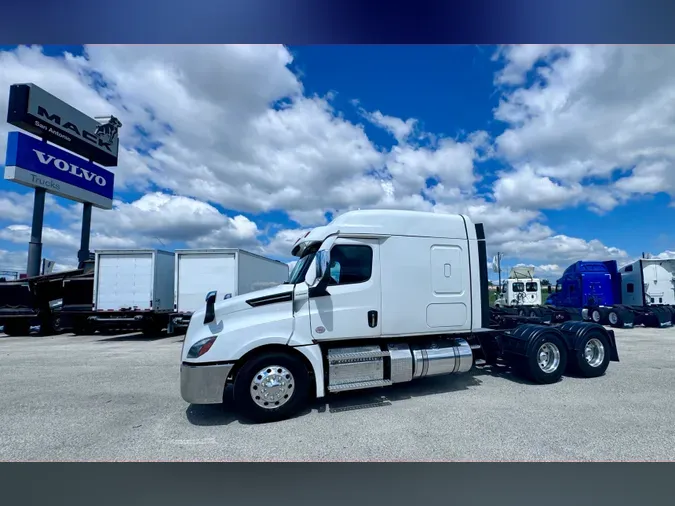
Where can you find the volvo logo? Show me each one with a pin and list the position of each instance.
(64, 166)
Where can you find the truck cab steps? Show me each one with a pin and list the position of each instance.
(359, 385)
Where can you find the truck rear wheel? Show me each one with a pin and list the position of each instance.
(271, 387)
(547, 362)
(592, 357)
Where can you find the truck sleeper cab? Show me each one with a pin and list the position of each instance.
(376, 297)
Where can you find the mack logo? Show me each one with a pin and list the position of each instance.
(103, 137)
(64, 166)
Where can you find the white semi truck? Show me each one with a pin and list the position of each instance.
(377, 297)
(520, 290)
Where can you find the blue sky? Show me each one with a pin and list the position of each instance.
(451, 92)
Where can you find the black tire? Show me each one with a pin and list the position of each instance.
(56, 325)
(579, 363)
(17, 328)
(530, 368)
(615, 319)
(595, 315)
(297, 388)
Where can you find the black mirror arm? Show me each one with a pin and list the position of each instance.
(210, 313)
(320, 290)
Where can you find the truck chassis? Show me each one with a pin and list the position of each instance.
(278, 379)
(616, 316)
(150, 323)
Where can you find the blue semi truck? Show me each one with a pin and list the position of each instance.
(640, 293)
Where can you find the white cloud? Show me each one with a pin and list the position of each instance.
(519, 61)
(590, 115)
(13, 261)
(14, 207)
(397, 127)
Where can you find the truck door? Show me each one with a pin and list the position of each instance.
(593, 296)
(353, 308)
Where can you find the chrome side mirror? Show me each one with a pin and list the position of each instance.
(322, 263)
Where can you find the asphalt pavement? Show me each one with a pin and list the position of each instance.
(116, 398)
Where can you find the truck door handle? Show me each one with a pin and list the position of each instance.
(372, 319)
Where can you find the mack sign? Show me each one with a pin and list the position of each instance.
(33, 162)
(33, 109)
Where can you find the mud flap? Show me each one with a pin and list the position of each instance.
(658, 317)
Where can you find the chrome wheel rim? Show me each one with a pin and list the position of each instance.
(613, 318)
(548, 357)
(594, 352)
(595, 315)
(272, 387)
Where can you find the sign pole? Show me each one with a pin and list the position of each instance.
(35, 244)
(83, 254)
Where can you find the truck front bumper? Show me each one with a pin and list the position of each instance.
(203, 384)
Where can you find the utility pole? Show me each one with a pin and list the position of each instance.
(499, 267)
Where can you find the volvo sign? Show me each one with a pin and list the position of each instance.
(49, 168)
(35, 163)
(33, 109)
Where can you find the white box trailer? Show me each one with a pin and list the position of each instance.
(133, 289)
(228, 271)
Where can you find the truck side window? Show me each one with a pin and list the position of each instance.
(531, 287)
(629, 268)
(572, 287)
(518, 287)
(630, 288)
(350, 264)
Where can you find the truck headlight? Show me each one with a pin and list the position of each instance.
(201, 347)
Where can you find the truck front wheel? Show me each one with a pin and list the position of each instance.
(271, 387)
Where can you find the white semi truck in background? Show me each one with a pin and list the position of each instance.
(521, 289)
(377, 297)
(228, 271)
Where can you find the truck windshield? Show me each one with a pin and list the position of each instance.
(558, 288)
(300, 270)
(531, 287)
(518, 287)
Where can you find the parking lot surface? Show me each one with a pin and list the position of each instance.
(116, 398)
